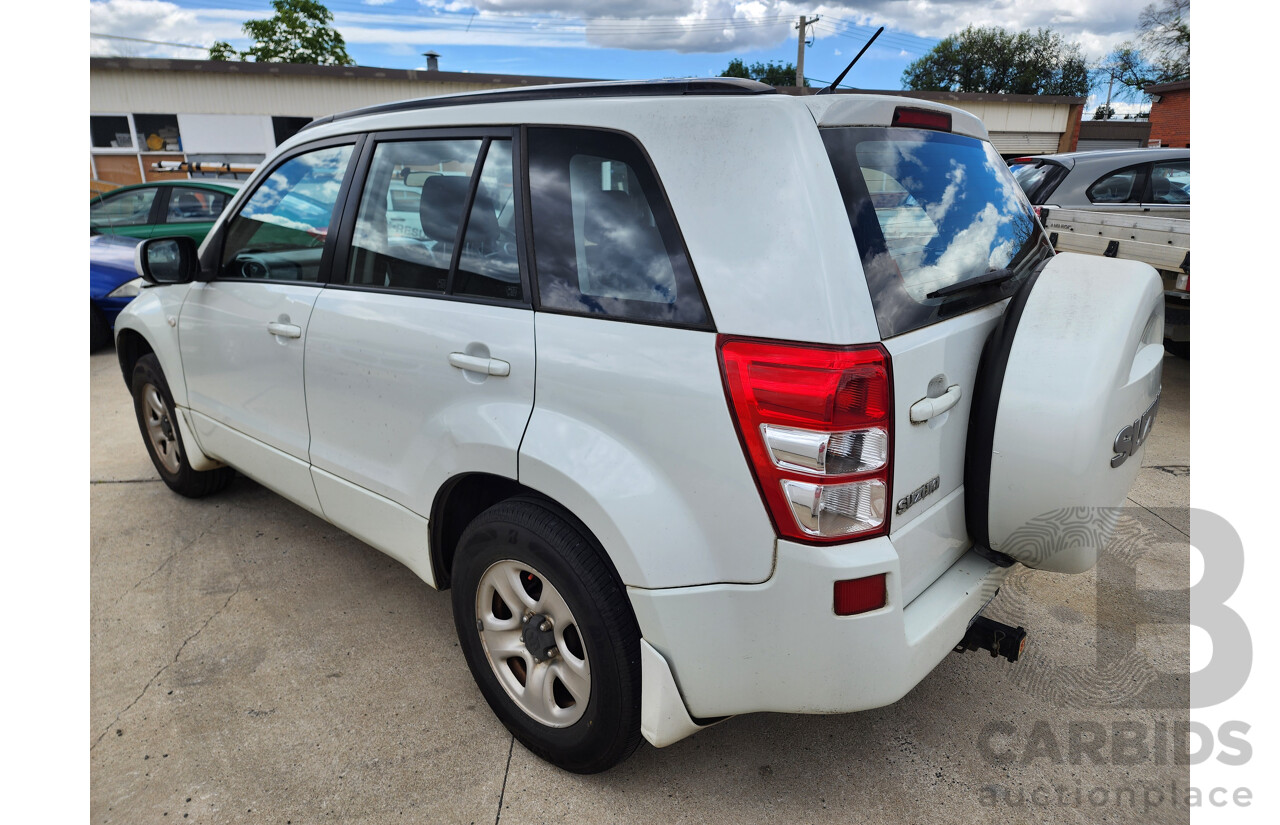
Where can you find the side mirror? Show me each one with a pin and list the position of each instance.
(167, 260)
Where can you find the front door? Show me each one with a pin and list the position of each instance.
(242, 334)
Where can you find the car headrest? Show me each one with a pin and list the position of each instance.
(443, 197)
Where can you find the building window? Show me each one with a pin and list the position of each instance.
(158, 133)
(111, 132)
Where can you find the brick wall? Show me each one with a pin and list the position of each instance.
(1171, 119)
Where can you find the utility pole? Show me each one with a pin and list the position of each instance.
(804, 21)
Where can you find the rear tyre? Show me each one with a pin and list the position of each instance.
(549, 635)
(158, 421)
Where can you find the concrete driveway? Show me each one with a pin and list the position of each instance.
(251, 663)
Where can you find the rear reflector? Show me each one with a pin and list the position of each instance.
(853, 596)
(816, 426)
(922, 119)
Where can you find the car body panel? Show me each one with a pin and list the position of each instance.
(110, 267)
(239, 375)
(668, 493)
(1087, 168)
(392, 415)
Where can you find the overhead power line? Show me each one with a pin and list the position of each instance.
(144, 40)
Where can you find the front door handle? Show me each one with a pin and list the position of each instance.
(475, 363)
(284, 330)
(927, 408)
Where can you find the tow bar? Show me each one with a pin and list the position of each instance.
(996, 638)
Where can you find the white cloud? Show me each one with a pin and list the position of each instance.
(723, 25)
(158, 21)
(688, 26)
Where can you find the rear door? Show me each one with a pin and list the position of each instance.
(420, 353)
(931, 212)
(1120, 190)
(243, 333)
(1168, 192)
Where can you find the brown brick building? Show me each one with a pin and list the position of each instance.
(1171, 113)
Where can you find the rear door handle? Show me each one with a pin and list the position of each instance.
(927, 408)
(284, 330)
(484, 366)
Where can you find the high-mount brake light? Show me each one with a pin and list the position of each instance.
(922, 119)
(816, 423)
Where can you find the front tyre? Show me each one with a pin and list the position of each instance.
(158, 421)
(549, 635)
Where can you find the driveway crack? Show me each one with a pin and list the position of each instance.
(1162, 518)
(162, 565)
(507, 773)
(167, 665)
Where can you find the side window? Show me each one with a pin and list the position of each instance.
(1171, 182)
(279, 235)
(489, 266)
(194, 205)
(410, 211)
(1117, 187)
(604, 241)
(132, 208)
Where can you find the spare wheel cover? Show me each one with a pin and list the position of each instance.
(1065, 396)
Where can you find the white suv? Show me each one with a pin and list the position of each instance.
(703, 399)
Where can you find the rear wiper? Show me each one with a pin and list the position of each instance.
(990, 278)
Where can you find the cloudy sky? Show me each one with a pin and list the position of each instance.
(615, 38)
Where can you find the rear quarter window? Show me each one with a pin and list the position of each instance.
(929, 211)
(605, 241)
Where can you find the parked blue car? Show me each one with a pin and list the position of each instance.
(113, 283)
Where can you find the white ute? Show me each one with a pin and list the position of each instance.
(703, 399)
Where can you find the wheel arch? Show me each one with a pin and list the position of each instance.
(130, 346)
(463, 497)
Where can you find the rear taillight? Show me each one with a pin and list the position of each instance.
(816, 423)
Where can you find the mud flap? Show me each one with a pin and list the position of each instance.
(1066, 394)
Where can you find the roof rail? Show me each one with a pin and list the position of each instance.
(567, 91)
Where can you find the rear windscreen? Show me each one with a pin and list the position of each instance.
(929, 211)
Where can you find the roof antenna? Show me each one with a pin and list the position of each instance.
(831, 89)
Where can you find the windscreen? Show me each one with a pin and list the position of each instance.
(930, 211)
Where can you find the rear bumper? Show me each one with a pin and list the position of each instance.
(778, 645)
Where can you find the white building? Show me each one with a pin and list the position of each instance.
(143, 111)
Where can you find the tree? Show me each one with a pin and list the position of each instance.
(221, 50)
(1161, 53)
(997, 61)
(1164, 33)
(298, 33)
(775, 74)
(1104, 112)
